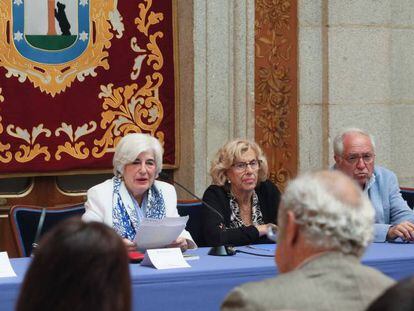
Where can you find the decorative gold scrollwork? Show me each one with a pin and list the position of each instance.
(132, 108)
(275, 102)
(30, 150)
(125, 108)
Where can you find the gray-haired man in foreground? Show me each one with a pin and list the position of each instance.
(325, 225)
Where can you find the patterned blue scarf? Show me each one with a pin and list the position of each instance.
(125, 218)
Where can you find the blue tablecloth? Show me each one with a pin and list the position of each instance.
(210, 278)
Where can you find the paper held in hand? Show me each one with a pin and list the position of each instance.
(158, 233)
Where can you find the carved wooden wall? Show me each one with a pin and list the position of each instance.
(276, 91)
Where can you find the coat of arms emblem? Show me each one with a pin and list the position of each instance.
(54, 42)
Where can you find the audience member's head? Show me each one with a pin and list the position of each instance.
(399, 297)
(78, 266)
(354, 154)
(322, 211)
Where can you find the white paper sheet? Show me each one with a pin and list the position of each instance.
(6, 269)
(164, 258)
(157, 233)
(188, 257)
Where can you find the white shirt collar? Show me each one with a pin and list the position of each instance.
(371, 181)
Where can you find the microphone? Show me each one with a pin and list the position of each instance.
(222, 250)
(272, 233)
(166, 177)
(39, 230)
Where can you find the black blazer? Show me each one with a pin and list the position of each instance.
(217, 197)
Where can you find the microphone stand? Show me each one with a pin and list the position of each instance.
(222, 250)
(39, 230)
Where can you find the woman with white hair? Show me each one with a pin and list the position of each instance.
(133, 193)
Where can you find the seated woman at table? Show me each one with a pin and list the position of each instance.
(77, 266)
(133, 193)
(242, 194)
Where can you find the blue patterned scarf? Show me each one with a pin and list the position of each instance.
(125, 217)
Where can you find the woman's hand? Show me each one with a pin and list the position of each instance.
(130, 246)
(181, 243)
(263, 229)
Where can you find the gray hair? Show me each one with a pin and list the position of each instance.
(130, 146)
(332, 211)
(338, 142)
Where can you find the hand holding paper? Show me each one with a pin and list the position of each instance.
(180, 243)
(157, 233)
(130, 246)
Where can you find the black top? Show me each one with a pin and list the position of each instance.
(217, 197)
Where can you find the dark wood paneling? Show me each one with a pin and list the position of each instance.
(6, 236)
(43, 193)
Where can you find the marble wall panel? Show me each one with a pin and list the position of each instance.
(402, 65)
(359, 12)
(359, 65)
(402, 143)
(310, 65)
(374, 118)
(310, 137)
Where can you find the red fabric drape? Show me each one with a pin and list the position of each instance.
(68, 115)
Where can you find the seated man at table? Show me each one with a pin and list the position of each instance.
(325, 224)
(354, 153)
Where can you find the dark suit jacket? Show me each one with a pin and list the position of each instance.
(332, 281)
(217, 197)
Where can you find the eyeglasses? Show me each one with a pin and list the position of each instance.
(242, 166)
(354, 158)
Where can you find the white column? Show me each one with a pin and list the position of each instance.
(223, 78)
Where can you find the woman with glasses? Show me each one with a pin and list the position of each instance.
(241, 194)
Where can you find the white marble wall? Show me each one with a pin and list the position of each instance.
(310, 84)
(367, 78)
(223, 78)
(356, 72)
(402, 90)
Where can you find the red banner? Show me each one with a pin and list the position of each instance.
(76, 76)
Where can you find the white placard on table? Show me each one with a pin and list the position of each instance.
(6, 269)
(165, 258)
(157, 233)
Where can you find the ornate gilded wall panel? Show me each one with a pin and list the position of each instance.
(276, 109)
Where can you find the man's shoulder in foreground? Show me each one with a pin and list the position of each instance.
(331, 282)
